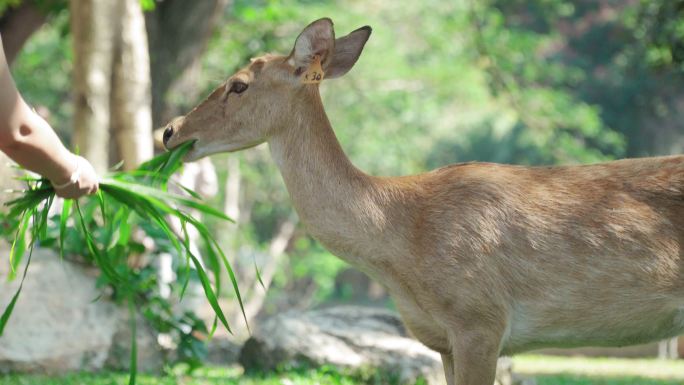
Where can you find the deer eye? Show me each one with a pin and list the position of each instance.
(238, 87)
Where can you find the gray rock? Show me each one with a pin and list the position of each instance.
(354, 339)
(150, 357)
(223, 350)
(56, 326)
(351, 338)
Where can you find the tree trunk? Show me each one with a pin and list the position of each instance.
(178, 32)
(17, 25)
(93, 25)
(131, 111)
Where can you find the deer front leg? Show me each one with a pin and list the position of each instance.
(474, 355)
(448, 362)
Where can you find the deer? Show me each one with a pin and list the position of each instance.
(481, 259)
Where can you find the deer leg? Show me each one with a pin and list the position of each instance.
(474, 355)
(448, 362)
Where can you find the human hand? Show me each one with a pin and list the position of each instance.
(83, 181)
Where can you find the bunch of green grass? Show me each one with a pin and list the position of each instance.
(142, 192)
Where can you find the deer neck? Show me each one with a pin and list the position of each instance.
(337, 202)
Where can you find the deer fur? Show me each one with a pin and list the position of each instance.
(481, 259)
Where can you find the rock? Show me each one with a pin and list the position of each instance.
(351, 338)
(56, 326)
(354, 339)
(223, 350)
(150, 357)
(8, 178)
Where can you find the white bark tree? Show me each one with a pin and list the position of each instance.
(93, 27)
(131, 113)
(111, 81)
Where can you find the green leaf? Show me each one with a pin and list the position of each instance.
(258, 275)
(10, 307)
(63, 219)
(43, 220)
(103, 262)
(208, 292)
(134, 342)
(101, 200)
(175, 160)
(186, 244)
(155, 195)
(192, 193)
(170, 161)
(216, 270)
(211, 242)
(124, 226)
(147, 5)
(18, 245)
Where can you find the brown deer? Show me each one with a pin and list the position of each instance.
(482, 259)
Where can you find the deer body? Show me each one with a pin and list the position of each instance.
(481, 259)
(555, 252)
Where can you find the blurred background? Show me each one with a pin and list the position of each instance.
(532, 82)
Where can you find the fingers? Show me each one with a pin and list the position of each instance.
(86, 182)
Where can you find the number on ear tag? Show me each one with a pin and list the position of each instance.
(315, 73)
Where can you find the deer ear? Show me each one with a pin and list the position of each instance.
(316, 40)
(347, 52)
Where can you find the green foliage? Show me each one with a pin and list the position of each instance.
(147, 5)
(42, 72)
(310, 261)
(5, 4)
(618, 57)
(660, 25)
(558, 126)
(102, 225)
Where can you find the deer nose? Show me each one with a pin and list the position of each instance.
(168, 132)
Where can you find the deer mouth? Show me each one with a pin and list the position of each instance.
(193, 154)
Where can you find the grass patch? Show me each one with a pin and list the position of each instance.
(555, 370)
(600, 367)
(547, 370)
(203, 376)
(562, 379)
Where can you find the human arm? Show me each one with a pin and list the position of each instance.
(30, 141)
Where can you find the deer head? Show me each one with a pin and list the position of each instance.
(261, 98)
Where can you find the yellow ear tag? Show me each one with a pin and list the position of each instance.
(315, 73)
